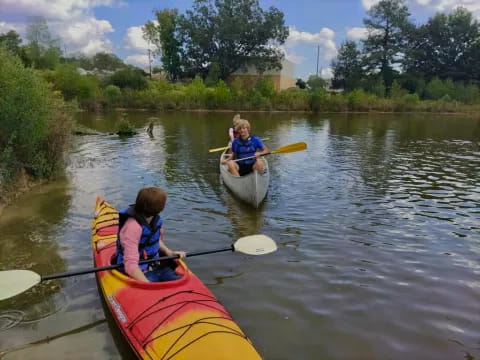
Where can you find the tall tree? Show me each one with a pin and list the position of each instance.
(388, 27)
(447, 46)
(347, 67)
(219, 34)
(233, 34)
(164, 34)
(43, 50)
(11, 41)
(106, 61)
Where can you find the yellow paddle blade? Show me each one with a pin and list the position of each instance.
(219, 149)
(299, 146)
(226, 147)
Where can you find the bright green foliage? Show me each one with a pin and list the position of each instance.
(468, 94)
(219, 96)
(316, 83)
(125, 127)
(227, 33)
(165, 35)
(266, 88)
(30, 136)
(231, 33)
(129, 78)
(397, 91)
(437, 89)
(292, 99)
(73, 85)
(318, 99)
(196, 92)
(359, 100)
(106, 61)
(112, 93)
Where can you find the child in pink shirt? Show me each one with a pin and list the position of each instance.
(141, 236)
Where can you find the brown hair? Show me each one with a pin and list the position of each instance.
(150, 201)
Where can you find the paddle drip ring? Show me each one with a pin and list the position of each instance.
(10, 318)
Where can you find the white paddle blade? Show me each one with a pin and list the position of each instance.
(14, 282)
(255, 245)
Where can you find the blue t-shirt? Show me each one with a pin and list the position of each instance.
(246, 148)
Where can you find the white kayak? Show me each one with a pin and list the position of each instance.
(250, 188)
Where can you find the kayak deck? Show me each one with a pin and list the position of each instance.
(178, 319)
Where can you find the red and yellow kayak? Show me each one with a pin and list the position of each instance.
(177, 320)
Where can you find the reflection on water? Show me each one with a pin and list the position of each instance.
(378, 227)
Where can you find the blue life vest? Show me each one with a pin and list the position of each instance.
(246, 148)
(149, 245)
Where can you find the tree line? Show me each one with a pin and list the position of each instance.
(435, 60)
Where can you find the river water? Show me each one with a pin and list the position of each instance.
(378, 227)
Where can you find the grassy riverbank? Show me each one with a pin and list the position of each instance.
(195, 95)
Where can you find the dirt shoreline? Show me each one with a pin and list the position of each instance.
(20, 185)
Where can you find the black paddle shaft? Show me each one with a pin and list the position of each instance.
(116, 266)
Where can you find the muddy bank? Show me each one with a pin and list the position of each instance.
(21, 184)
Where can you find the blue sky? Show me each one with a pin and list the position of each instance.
(90, 26)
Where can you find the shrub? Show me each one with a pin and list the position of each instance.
(196, 92)
(292, 99)
(218, 96)
(129, 78)
(34, 124)
(318, 100)
(359, 100)
(112, 93)
(73, 85)
(125, 128)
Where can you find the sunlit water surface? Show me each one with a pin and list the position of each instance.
(378, 226)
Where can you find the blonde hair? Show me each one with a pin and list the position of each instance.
(243, 123)
(236, 119)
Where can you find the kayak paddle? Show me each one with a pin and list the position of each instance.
(13, 282)
(299, 146)
(226, 147)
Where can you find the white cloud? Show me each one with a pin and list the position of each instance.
(327, 73)
(58, 9)
(86, 35)
(448, 5)
(137, 60)
(357, 33)
(294, 58)
(134, 40)
(324, 38)
(6, 27)
(70, 20)
(436, 5)
(367, 4)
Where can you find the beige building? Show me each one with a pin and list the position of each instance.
(282, 79)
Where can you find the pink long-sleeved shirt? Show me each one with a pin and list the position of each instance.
(129, 238)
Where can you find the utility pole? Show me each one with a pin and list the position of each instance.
(150, 64)
(318, 55)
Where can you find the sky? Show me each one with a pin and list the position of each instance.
(91, 26)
